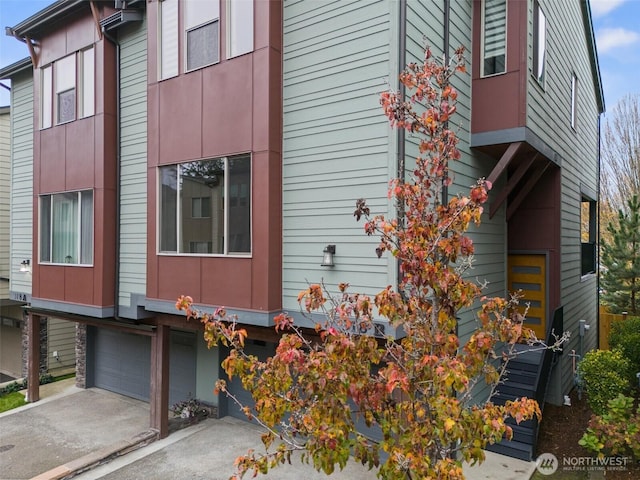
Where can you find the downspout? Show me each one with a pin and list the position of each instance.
(402, 90)
(116, 295)
(598, 231)
(445, 48)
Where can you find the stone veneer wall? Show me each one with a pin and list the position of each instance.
(81, 355)
(25, 344)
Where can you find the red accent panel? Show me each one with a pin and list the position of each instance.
(81, 147)
(179, 276)
(225, 281)
(52, 162)
(78, 285)
(508, 90)
(180, 118)
(227, 111)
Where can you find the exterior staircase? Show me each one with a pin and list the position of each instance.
(527, 376)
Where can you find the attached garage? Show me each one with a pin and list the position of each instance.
(260, 349)
(121, 362)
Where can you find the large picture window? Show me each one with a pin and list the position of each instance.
(494, 37)
(205, 207)
(66, 228)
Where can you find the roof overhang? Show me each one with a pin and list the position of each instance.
(40, 21)
(17, 67)
(593, 54)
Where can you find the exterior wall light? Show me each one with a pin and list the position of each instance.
(25, 266)
(327, 259)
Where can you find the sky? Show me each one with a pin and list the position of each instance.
(615, 22)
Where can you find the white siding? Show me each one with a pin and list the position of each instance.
(133, 101)
(21, 179)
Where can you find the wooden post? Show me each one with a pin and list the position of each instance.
(33, 358)
(159, 389)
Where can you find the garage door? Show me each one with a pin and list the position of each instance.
(122, 364)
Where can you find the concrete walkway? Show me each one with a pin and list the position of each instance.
(71, 430)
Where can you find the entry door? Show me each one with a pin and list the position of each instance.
(527, 274)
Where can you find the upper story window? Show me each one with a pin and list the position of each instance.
(68, 89)
(205, 206)
(574, 100)
(539, 42)
(588, 235)
(494, 37)
(66, 228)
(199, 35)
(239, 27)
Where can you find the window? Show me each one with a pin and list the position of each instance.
(201, 33)
(87, 82)
(65, 88)
(200, 207)
(588, 235)
(68, 89)
(46, 92)
(494, 37)
(168, 57)
(574, 100)
(240, 27)
(193, 28)
(205, 206)
(539, 42)
(66, 228)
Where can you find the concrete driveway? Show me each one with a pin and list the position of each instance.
(76, 429)
(60, 429)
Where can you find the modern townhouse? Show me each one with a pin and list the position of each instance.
(216, 149)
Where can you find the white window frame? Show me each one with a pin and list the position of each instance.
(226, 252)
(63, 82)
(50, 198)
(237, 18)
(168, 20)
(86, 90)
(574, 100)
(539, 43)
(192, 21)
(46, 96)
(482, 39)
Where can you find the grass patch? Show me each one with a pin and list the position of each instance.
(11, 400)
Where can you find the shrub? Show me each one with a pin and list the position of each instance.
(625, 336)
(615, 433)
(605, 374)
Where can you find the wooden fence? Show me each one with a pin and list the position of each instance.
(606, 319)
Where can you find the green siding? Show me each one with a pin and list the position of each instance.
(5, 178)
(61, 338)
(133, 216)
(337, 145)
(548, 114)
(21, 179)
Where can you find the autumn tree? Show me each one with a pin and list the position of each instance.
(620, 173)
(620, 281)
(418, 391)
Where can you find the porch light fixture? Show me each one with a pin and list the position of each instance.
(25, 266)
(327, 259)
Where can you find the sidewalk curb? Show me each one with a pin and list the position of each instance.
(94, 459)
